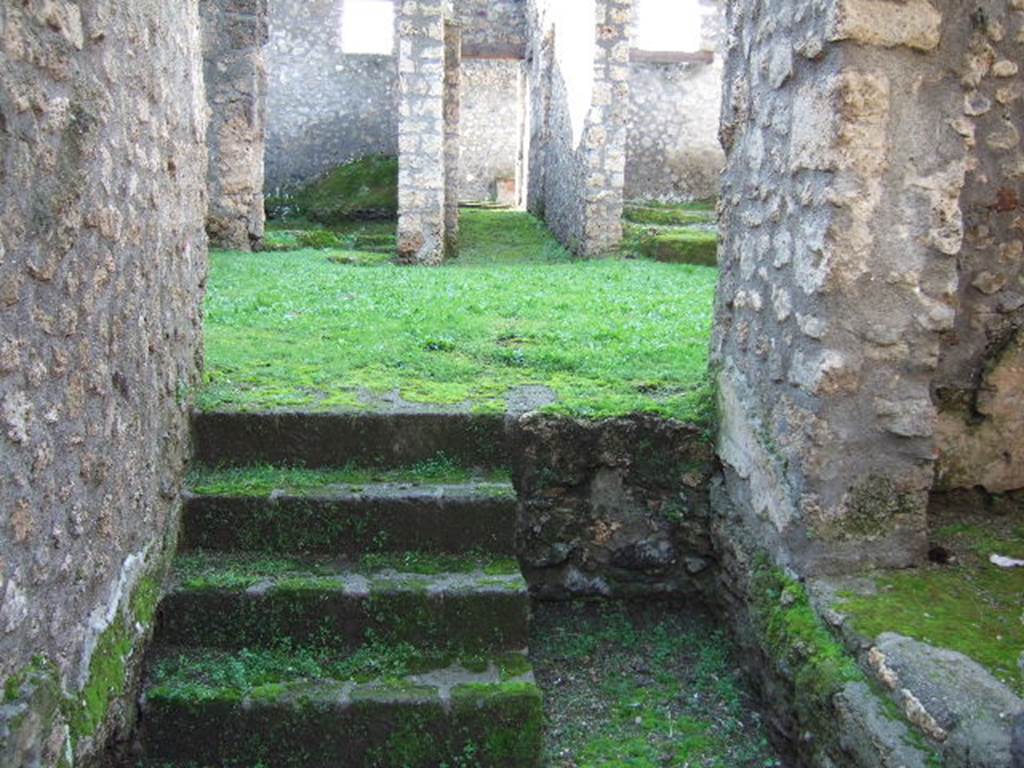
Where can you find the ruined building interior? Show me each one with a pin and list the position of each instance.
(512, 383)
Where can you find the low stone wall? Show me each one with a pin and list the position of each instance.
(612, 508)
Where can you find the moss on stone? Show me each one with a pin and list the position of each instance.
(793, 635)
(674, 245)
(263, 480)
(108, 666)
(365, 188)
(701, 212)
(874, 506)
(971, 606)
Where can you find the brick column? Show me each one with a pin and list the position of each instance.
(421, 131)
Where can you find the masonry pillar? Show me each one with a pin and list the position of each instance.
(452, 151)
(421, 131)
(855, 134)
(577, 162)
(234, 34)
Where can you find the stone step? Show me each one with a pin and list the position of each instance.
(488, 717)
(232, 603)
(348, 521)
(337, 439)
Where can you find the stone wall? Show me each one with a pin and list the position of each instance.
(452, 135)
(492, 105)
(849, 158)
(492, 23)
(234, 33)
(102, 267)
(672, 152)
(613, 508)
(324, 107)
(582, 158)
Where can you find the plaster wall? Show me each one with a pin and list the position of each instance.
(672, 152)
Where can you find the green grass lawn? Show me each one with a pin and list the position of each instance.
(316, 329)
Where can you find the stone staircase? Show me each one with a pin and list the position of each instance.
(342, 624)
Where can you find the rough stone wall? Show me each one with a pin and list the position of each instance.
(673, 154)
(492, 23)
(234, 34)
(980, 378)
(324, 107)
(613, 508)
(492, 104)
(847, 158)
(421, 131)
(583, 183)
(672, 151)
(102, 267)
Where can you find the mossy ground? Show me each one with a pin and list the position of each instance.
(968, 604)
(642, 686)
(264, 479)
(299, 331)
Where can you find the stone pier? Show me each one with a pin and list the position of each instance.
(421, 131)
(234, 35)
(869, 200)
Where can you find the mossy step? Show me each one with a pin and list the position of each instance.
(679, 245)
(670, 215)
(349, 520)
(406, 724)
(232, 607)
(318, 440)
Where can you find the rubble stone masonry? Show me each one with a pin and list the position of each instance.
(102, 268)
(869, 192)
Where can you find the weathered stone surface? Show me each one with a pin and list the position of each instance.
(870, 734)
(102, 263)
(234, 33)
(325, 107)
(852, 183)
(914, 23)
(422, 188)
(953, 699)
(490, 127)
(981, 443)
(616, 507)
(980, 428)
